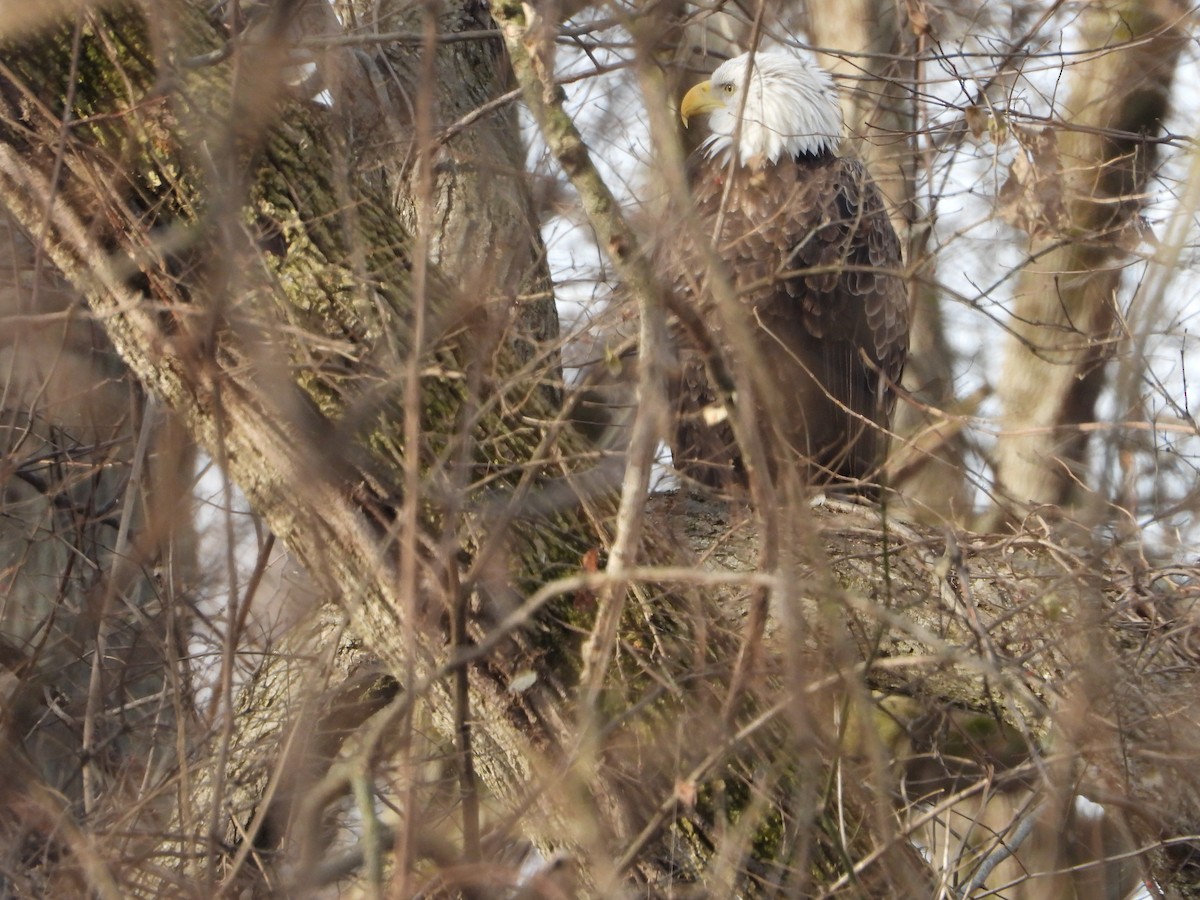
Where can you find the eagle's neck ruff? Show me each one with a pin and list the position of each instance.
(791, 110)
(716, 167)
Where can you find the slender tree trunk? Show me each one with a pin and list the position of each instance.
(1064, 323)
(95, 552)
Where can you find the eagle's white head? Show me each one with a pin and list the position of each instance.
(791, 107)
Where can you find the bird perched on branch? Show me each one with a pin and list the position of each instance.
(807, 247)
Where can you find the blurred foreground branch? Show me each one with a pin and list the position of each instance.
(264, 287)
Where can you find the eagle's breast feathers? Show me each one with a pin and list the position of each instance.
(814, 261)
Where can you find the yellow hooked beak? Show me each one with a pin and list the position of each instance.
(698, 101)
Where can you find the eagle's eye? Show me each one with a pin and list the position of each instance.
(728, 87)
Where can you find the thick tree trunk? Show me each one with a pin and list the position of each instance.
(296, 259)
(284, 304)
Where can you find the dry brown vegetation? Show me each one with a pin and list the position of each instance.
(320, 579)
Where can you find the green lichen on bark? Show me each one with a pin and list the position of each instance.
(263, 244)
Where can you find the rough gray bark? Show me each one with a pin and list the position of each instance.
(322, 279)
(284, 351)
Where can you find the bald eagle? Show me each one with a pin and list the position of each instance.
(813, 259)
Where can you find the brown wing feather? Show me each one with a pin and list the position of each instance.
(815, 260)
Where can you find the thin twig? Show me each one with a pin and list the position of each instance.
(1004, 851)
(545, 99)
(410, 549)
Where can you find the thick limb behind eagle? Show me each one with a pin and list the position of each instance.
(810, 252)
